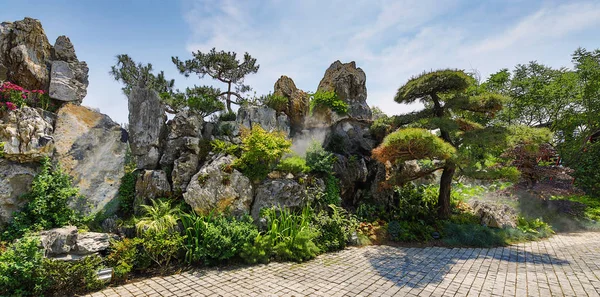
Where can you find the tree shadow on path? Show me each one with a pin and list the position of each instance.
(418, 267)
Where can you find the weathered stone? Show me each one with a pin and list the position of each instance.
(24, 54)
(218, 187)
(147, 120)
(150, 184)
(66, 81)
(298, 102)
(282, 193)
(67, 241)
(494, 215)
(182, 148)
(26, 135)
(91, 148)
(264, 116)
(350, 137)
(352, 173)
(63, 50)
(15, 181)
(349, 83)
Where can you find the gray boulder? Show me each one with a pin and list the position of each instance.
(26, 135)
(494, 215)
(264, 116)
(147, 126)
(218, 187)
(352, 173)
(298, 102)
(91, 148)
(349, 83)
(16, 180)
(350, 137)
(282, 193)
(150, 184)
(182, 148)
(24, 54)
(68, 76)
(66, 241)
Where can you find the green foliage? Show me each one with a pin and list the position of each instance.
(126, 193)
(592, 204)
(162, 246)
(21, 269)
(71, 278)
(222, 66)
(369, 212)
(473, 235)
(415, 203)
(213, 238)
(441, 81)
(1, 149)
(293, 165)
(262, 151)
(408, 231)
(202, 101)
(288, 236)
(160, 217)
(227, 116)
(335, 226)
(47, 206)
(277, 102)
(587, 175)
(381, 127)
(224, 147)
(318, 159)
(413, 144)
(126, 256)
(535, 226)
(133, 74)
(331, 196)
(327, 100)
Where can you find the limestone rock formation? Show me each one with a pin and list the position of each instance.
(150, 184)
(91, 148)
(298, 102)
(350, 137)
(218, 187)
(182, 148)
(15, 181)
(26, 134)
(264, 116)
(281, 192)
(24, 53)
(349, 83)
(147, 123)
(495, 215)
(67, 241)
(352, 173)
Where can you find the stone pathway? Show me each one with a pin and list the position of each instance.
(565, 265)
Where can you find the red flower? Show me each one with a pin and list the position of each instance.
(11, 106)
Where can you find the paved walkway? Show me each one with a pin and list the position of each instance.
(565, 265)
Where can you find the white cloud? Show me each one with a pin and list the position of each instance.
(390, 40)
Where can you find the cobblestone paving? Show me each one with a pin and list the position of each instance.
(565, 265)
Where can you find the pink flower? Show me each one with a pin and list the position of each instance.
(11, 106)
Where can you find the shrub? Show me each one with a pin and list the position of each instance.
(327, 100)
(319, 160)
(369, 212)
(409, 231)
(587, 175)
(21, 269)
(277, 102)
(162, 246)
(261, 152)
(535, 226)
(210, 239)
(159, 217)
(473, 235)
(13, 96)
(381, 127)
(288, 236)
(293, 165)
(227, 116)
(70, 278)
(125, 256)
(332, 191)
(336, 226)
(1, 149)
(228, 148)
(47, 206)
(415, 203)
(126, 193)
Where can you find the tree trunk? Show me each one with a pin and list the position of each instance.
(445, 189)
(229, 98)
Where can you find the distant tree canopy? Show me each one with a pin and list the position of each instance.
(455, 128)
(224, 67)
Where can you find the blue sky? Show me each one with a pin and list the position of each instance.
(390, 40)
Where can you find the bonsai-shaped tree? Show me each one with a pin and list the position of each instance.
(453, 129)
(224, 67)
(200, 100)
